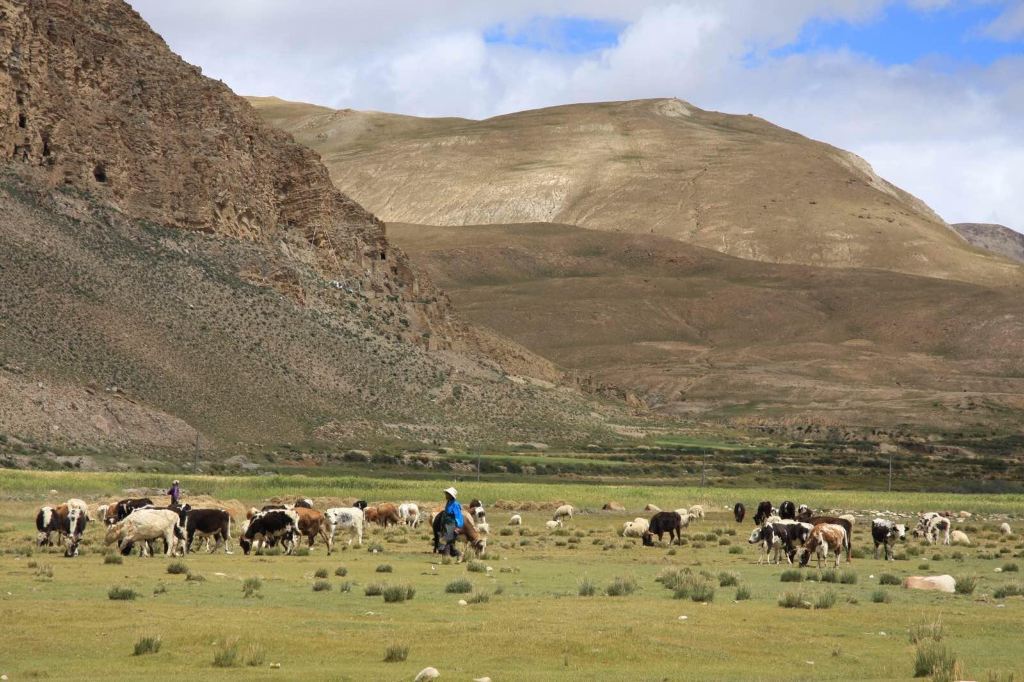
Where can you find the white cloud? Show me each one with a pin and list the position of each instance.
(952, 136)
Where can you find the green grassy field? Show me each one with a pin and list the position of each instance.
(534, 625)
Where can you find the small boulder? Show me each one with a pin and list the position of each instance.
(427, 674)
(939, 583)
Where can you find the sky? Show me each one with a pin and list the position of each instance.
(930, 92)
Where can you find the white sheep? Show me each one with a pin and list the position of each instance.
(849, 517)
(515, 520)
(684, 517)
(565, 511)
(551, 525)
(697, 511)
(652, 508)
(1005, 529)
(958, 537)
(427, 674)
(630, 529)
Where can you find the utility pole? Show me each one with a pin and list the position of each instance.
(477, 466)
(703, 468)
(890, 472)
(195, 463)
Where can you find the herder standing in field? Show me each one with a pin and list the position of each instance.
(175, 492)
(452, 521)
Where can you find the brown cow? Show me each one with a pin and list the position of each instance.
(313, 523)
(387, 514)
(370, 515)
(824, 536)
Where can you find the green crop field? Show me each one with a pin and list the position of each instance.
(528, 616)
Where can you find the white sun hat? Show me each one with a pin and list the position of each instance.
(452, 491)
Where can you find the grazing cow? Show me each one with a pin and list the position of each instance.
(145, 525)
(467, 534)
(276, 524)
(787, 510)
(67, 520)
(839, 521)
(825, 537)
(409, 512)
(804, 513)
(661, 523)
(739, 512)
(370, 515)
(206, 523)
(120, 510)
(387, 514)
(47, 523)
(936, 525)
(304, 502)
(885, 533)
(349, 519)
(563, 512)
(780, 537)
(276, 507)
(313, 523)
(764, 510)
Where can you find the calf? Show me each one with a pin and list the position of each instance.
(313, 523)
(349, 519)
(885, 533)
(825, 537)
(145, 525)
(787, 510)
(739, 511)
(839, 521)
(275, 524)
(764, 510)
(207, 523)
(769, 541)
(661, 523)
(304, 502)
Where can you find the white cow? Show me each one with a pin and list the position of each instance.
(145, 525)
(349, 519)
(409, 513)
(936, 525)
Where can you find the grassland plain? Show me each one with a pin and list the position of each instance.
(533, 625)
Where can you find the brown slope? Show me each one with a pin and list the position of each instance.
(735, 184)
(698, 332)
(158, 238)
(997, 239)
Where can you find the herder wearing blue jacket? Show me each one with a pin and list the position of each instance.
(452, 521)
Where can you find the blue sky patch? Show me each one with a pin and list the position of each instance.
(571, 35)
(903, 35)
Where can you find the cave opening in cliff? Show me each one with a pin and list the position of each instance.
(22, 121)
(100, 172)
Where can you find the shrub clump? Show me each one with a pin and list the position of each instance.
(322, 586)
(251, 587)
(742, 593)
(791, 575)
(924, 632)
(728, 579)
(122, 594)
(396, 653)
(794, 600)
(113, 559)
(889, 579)
(341, 571)
(621, 586)
(586, 588)
(934, 660)
(226, 654)
(480, 598)
(398, 593)
(965, 584)
(881, 596)
(825, 600)
(147, 645)
(320, 573)
(460, 586)
(177, 568)
(475, 566)
(384, 568)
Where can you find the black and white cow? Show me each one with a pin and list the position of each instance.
(304, 502)
(764, 510)
(739, 511)
(118, 512)
(938, 524)
(277, 524)
(769, 541)
(207, 523)
(885, 533)
(67, 520)
(781, 537)
(787, 510)
(804, 513)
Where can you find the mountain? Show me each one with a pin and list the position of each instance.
(697, 333)
(998, 239)
(734, 184)
(171, 266)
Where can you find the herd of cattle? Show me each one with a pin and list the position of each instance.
(792, 531)
(138, 521)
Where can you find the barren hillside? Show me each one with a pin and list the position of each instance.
(735, 184)
(998, 239)
(171, 264)
(695, 332)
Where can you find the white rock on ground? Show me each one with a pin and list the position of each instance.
(427, 674)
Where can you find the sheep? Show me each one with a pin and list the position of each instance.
(630, 529)
(515, 520)
(849, 517)
(684, 517)
(697, 511)
(1005, 529)
(565, 511)
(652, 508)
(551, 525)
(958, 537)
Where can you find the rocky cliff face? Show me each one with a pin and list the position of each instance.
(93, 99)
(998, 239)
